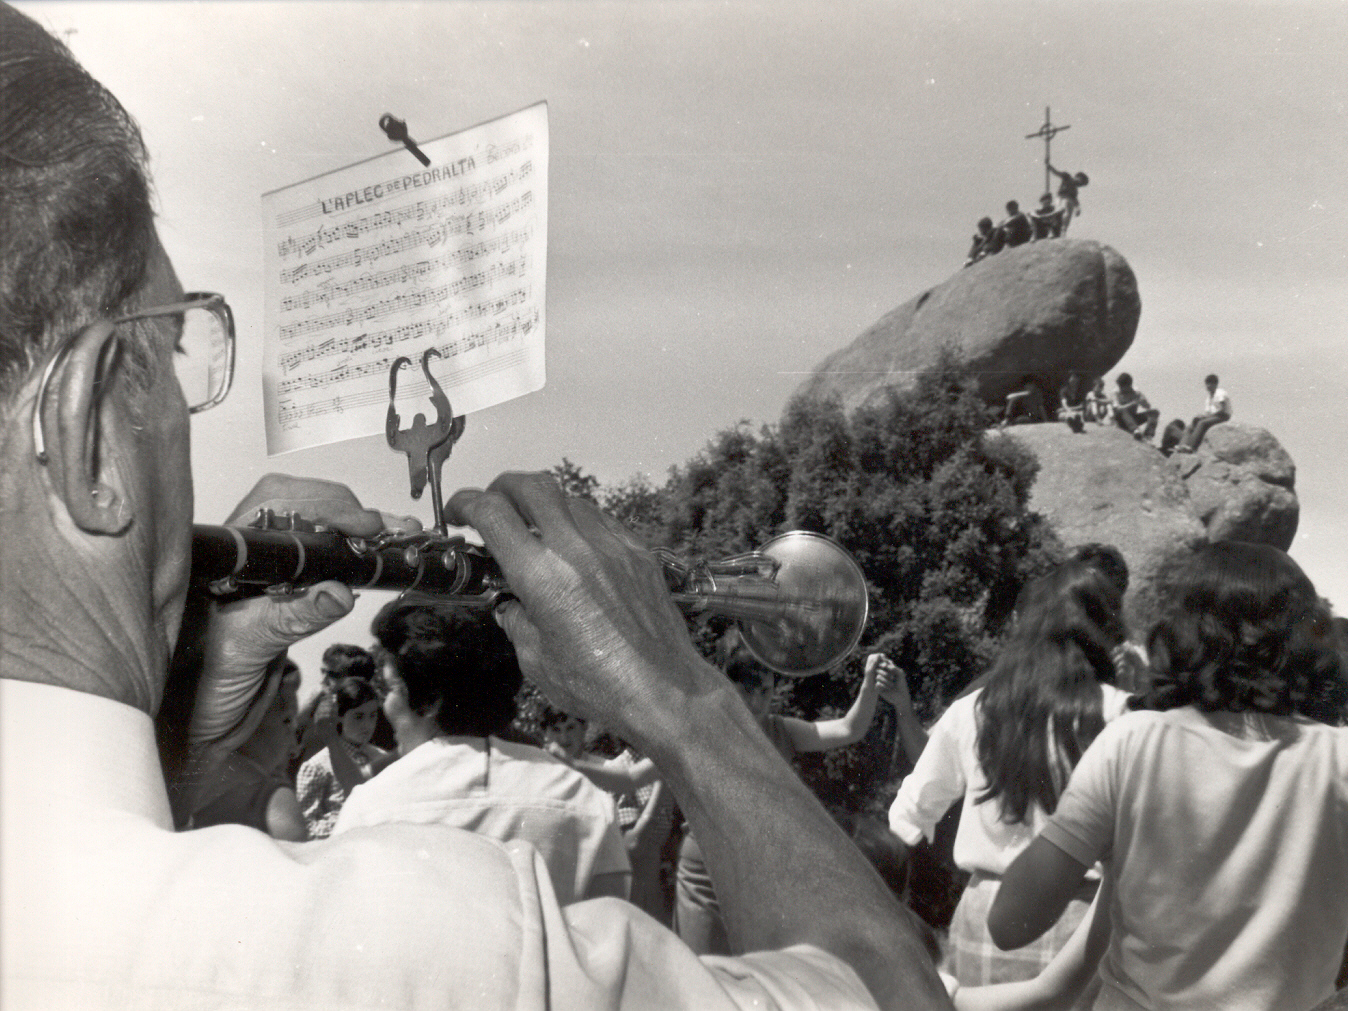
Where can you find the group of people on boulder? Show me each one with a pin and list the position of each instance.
(1047, 221)
(1128, 408)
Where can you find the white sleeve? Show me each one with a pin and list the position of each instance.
(936, 782)
(106, 907)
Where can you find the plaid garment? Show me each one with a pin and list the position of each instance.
(973, 958)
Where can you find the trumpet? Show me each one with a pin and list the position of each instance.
(800, 600)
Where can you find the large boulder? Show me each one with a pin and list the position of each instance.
(1105, 486)
(1044, 309)
(1242, 485)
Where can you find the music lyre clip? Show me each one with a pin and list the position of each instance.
(427, 446)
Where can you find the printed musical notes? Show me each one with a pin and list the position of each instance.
(386, 258)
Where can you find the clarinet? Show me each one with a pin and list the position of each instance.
(285, 555)
(800, 600)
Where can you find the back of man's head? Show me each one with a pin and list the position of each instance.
(455, 660)
(1210, 379)
(76, 222)
(1125, 381)
(342, 660)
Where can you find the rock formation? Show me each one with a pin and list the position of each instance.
(1105, 486)
(1046, 309)
(1241, 483)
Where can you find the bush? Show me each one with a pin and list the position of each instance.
(935, 514)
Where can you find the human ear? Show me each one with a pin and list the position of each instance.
(80, 473)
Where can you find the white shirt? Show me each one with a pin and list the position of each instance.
(105, 907)
(947, 770)
(1227, 836)
(1218, 402)
(504, 791)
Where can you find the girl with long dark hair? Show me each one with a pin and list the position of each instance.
(1220, 807)
(1009, 748)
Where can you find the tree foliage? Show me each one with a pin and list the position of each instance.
(932, 506)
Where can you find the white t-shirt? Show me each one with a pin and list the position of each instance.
(106, 907)
(947, 770)
(505, 791)
(1227, 836)
(1219, 403)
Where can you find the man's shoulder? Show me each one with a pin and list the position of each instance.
(530, 760)
(522, 765)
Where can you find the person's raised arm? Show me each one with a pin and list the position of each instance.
(595, 628)
(610, 777)
(825, 735)
(893, 686)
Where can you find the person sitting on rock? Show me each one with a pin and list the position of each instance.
(1172, 436)
(1072, 403)
(1016, 230)
(1215, 411)
(1098, 406)
(987, 240)
(1068, 185)
(1132, 412)
(1046, 219)
(1026, 404)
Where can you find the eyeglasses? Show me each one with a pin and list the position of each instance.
(203, 355)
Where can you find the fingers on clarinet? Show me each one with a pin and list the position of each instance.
(456, 504)
(588, 512)
(290, 619)
(400, 524)
(494, 516)
(510, 616)
(538, 498)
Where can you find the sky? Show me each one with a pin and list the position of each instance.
(738, 189)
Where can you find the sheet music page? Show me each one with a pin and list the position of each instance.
(387, 258)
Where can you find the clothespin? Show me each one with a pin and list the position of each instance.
(396, 130)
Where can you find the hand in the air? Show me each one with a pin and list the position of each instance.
(594, 626)
(243, 637)
(891, 681)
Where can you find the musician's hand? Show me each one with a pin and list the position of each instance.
(594, 626)
(244, 636)
(325, 502)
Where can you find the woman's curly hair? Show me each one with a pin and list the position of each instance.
(1247, 634)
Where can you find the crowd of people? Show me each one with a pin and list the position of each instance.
(1080, 401)
(157, 829)
(1049, 220)
(1060, 758)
